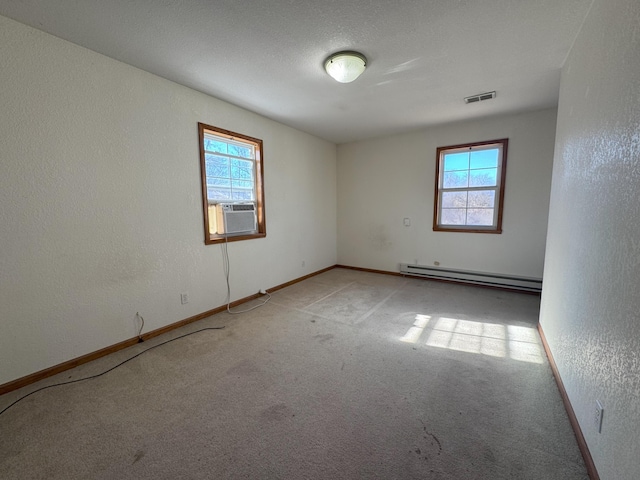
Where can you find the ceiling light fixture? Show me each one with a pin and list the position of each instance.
(345, 67)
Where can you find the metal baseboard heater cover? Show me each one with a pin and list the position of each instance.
(513, 282)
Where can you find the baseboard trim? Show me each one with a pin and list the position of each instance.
(582, 443)
(300, 279)
(370, 270)
(68, 365)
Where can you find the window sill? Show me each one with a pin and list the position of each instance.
(215, 239)
(466, 230)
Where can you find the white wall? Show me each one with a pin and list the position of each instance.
(100, 203)
(591, 299)
(383, 180)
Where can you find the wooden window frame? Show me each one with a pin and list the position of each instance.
(261, 231)
(502, 169)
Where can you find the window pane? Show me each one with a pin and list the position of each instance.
(213, 145)
(486, 177)
(480, 216)
(482, 198)
(453, 216)
(242, 195)
(216, 166)
(240, 151)
(456, 161)
(485, 158)
(242, 184)
(455, 180)
(217, 160)
(218, 193)
(218, 182)
(454, 199)
(242, 169)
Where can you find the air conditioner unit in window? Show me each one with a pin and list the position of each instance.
(234, 218)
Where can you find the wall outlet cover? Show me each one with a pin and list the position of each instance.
(597, 419)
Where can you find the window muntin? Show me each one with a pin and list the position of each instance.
(232, 172)
(470, 187)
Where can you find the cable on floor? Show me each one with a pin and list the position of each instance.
(225, 264)
(106, 371)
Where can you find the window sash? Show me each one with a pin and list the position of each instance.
(230, 178)
(467, 207)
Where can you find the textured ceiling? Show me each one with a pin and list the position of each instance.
(424, 55)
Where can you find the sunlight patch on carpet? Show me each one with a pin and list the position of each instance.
(496, 340)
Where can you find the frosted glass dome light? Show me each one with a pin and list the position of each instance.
(345, 67)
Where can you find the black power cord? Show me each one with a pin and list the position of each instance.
(107, 371)
(140, 339)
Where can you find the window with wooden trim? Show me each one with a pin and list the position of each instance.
(469, 191)
(231, 166)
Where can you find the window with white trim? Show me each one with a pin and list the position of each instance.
(232, 174)
(469, 192)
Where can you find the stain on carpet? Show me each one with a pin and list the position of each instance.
(324, 338)
(431, 440)
(136, 458)
(276, 412)
(245, 367)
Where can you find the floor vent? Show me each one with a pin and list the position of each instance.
(480, 97)
(512, 282)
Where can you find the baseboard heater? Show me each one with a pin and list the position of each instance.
(512, 282)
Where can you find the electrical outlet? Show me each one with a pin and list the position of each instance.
(184, 298)
(597, 417)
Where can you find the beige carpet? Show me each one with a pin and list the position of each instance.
(346, 375)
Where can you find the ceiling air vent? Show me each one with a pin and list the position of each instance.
(479, 97)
